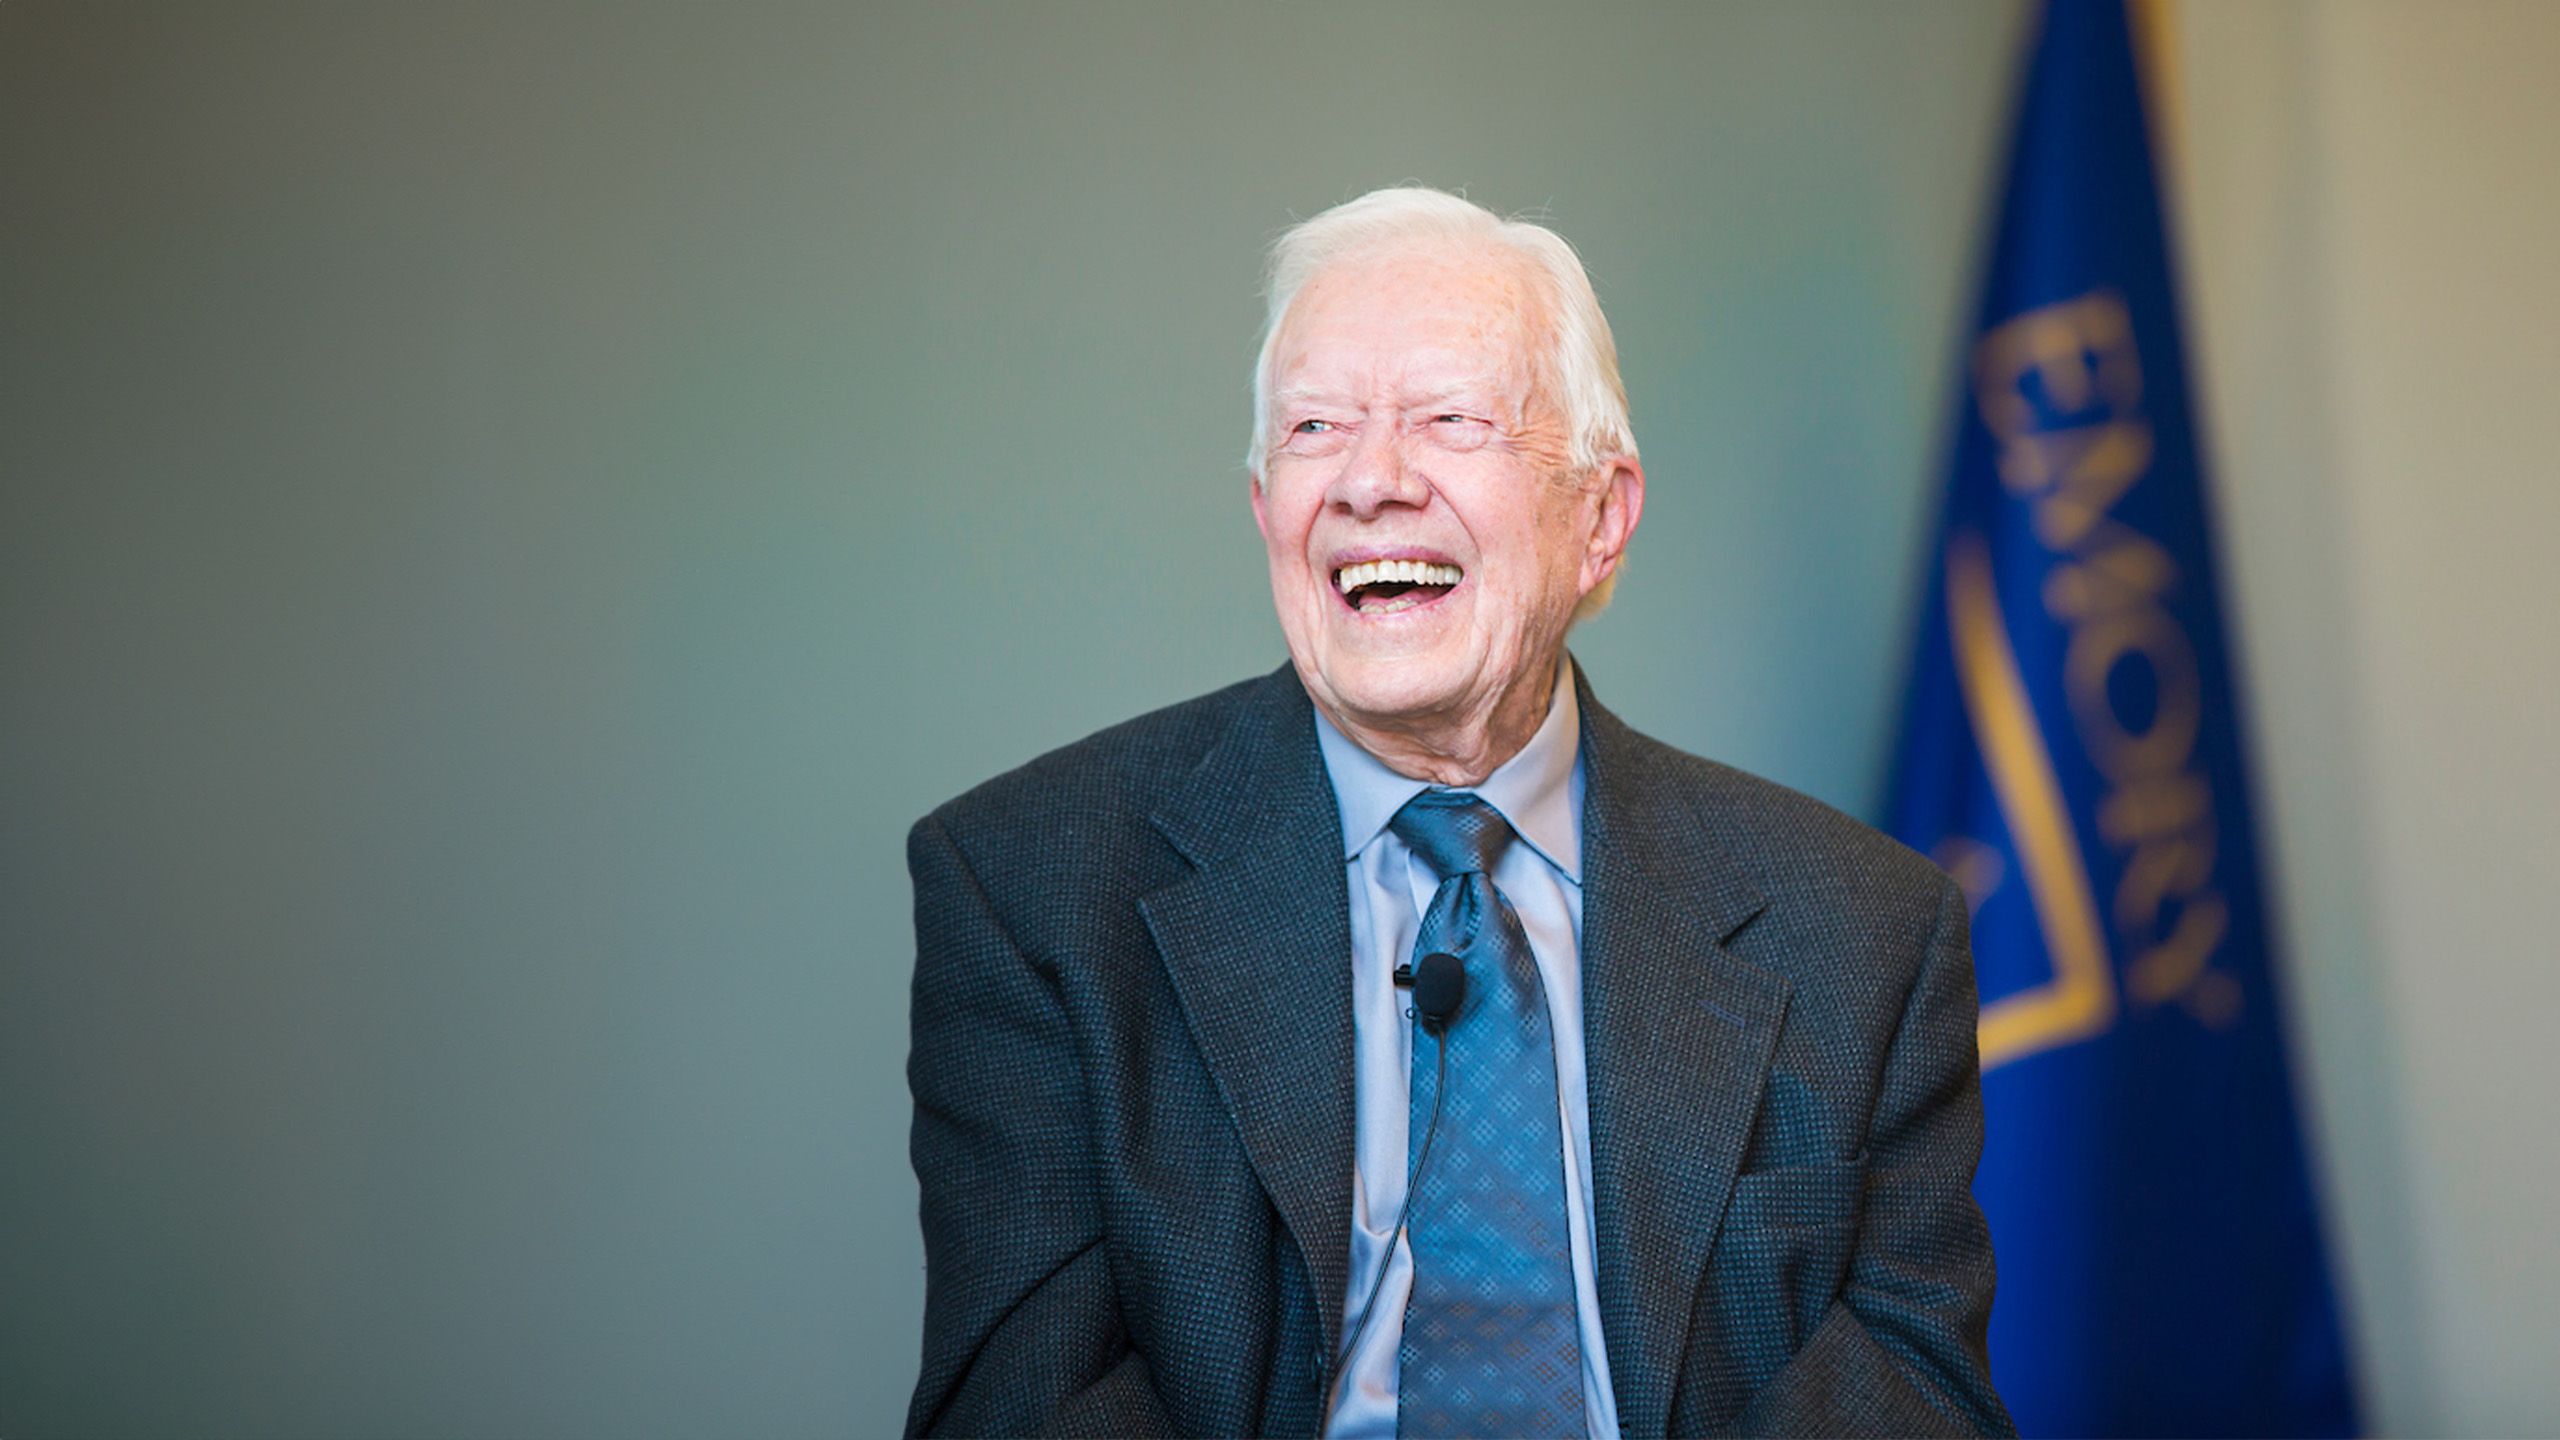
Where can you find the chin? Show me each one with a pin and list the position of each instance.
(1386, 687)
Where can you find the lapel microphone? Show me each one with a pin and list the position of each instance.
(1439, 986)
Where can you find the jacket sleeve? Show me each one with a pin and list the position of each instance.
(1903, 1349)
(1022, 1331)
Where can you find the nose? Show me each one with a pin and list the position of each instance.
(1375, 476)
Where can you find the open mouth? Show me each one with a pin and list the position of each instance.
(1383, 587)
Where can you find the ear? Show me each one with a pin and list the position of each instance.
(1621, 502)
(1261, 521)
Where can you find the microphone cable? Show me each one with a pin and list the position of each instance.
(1439, 989)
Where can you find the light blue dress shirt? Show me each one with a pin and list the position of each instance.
(1539, 791)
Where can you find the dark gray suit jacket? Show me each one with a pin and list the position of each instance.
(1132, 1069)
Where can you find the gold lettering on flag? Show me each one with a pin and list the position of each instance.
(2079, 1001)
(2060, 388)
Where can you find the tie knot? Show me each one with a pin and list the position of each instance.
(1454, 832)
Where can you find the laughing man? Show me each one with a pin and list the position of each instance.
(1397, 1043)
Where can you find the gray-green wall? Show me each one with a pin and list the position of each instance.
(507, 513)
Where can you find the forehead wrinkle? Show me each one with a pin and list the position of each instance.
(1483, 385)
(1287, 395)
(1409, 377)
(1482, 323)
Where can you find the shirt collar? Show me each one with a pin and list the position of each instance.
(1538, 791)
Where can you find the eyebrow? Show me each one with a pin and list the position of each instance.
(1300, 394)
(1484, 388)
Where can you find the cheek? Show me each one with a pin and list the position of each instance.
(1283, 526)
(1290, 504)
(1548, 566)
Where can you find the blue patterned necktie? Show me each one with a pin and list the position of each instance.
(1491, 1339)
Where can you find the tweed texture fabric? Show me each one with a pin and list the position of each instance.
(1491, 1343)
(1131, 1061)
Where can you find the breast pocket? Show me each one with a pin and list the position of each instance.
(1782, 1254)
(1799, 1196)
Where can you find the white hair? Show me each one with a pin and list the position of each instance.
(1580, 361)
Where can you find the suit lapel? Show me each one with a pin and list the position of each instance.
(1258, 942)
(1679, 1033)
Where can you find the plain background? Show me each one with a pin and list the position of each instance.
(507, 513)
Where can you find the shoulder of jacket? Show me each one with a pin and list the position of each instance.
(1787, 841)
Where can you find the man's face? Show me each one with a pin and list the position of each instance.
(1428, 540)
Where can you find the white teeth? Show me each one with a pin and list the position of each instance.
(1384, 572)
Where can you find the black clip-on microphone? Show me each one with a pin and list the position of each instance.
(1439, 987)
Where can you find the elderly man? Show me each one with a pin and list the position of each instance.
(1400, 1044)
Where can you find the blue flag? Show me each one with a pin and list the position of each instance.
(2072, 758)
